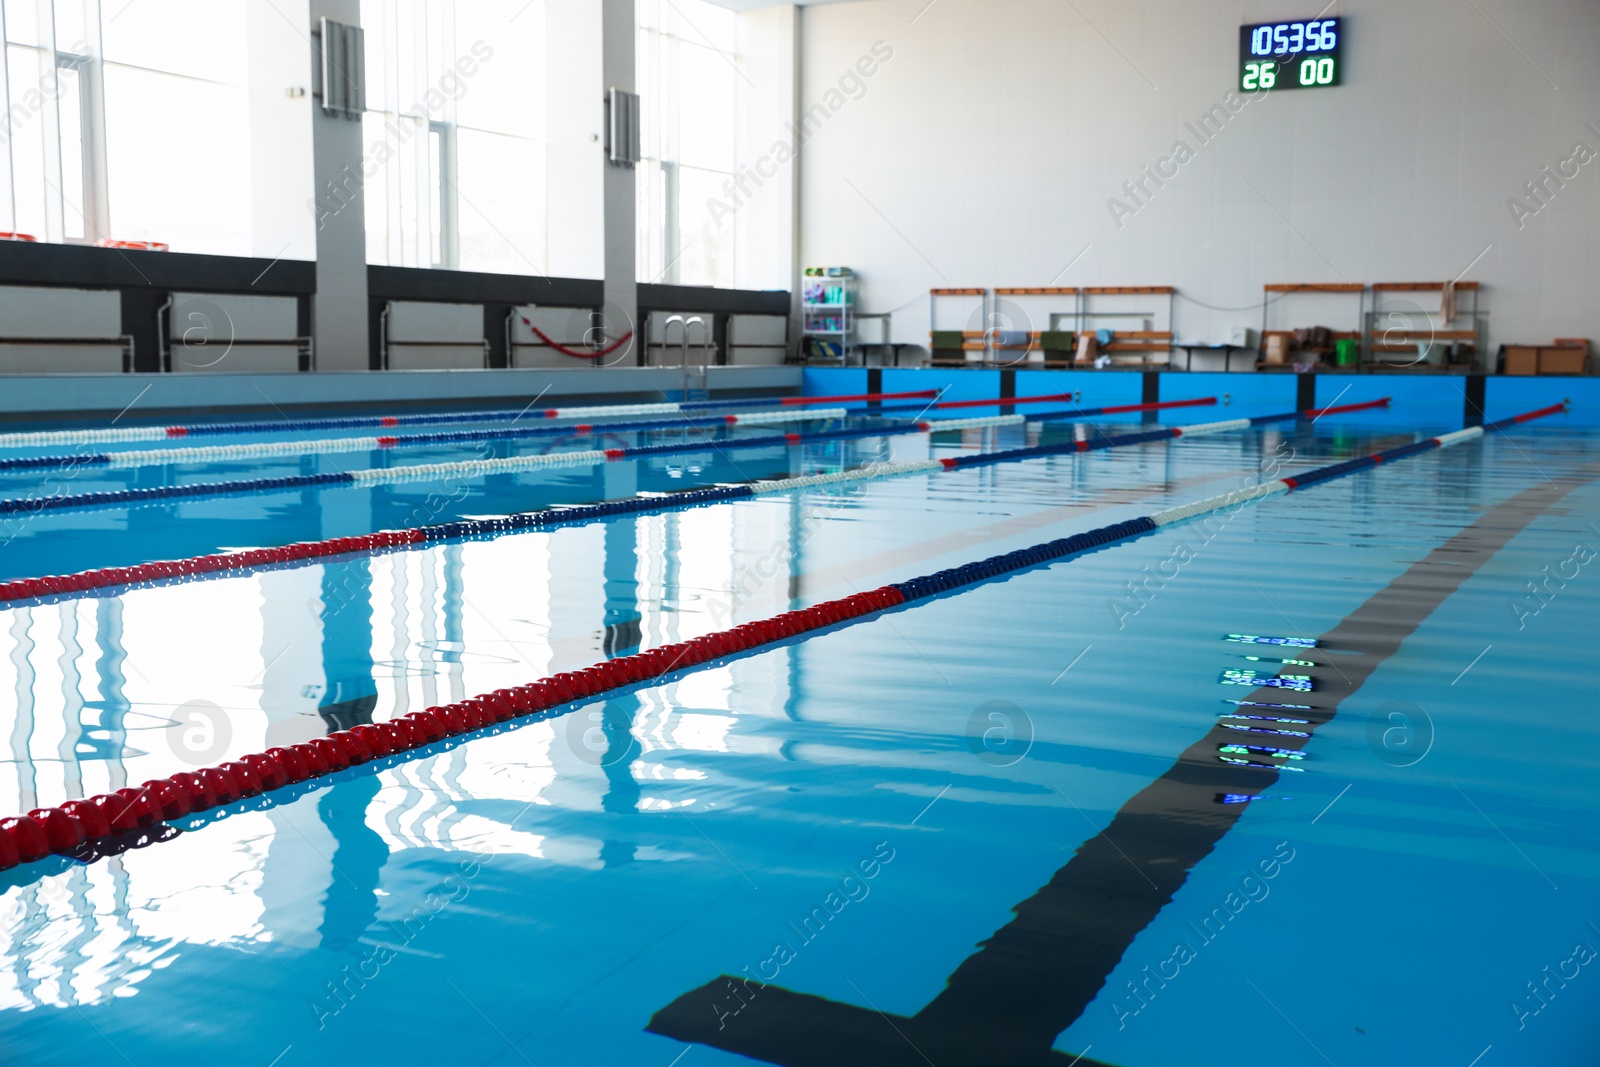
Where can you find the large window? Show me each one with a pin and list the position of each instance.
(54, 130)
(136, 120)
(689, 82)
(455, 155)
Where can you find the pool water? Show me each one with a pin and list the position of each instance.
(847, 818)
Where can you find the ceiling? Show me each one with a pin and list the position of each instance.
(751, 5)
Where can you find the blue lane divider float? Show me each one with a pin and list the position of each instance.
(68, 829)
(334, 446)
(959, 577)
(278, 449)
(106, 435)
(485, 467)
(302, 553)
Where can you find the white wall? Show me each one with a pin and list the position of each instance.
(984, 153)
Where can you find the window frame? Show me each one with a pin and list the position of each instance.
(92, 182)
(666, 31)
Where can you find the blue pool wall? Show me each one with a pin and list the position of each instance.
(1433, 401)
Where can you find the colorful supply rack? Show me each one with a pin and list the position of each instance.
(828, 301)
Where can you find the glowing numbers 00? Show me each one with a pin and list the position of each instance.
(1317, 71)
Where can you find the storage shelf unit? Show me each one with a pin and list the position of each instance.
(1284, 290)
(1391, 338)
(827, 308)
(1148, 342)
(1034, 345)
(934, 296)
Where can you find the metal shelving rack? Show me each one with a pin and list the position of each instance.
(828, 303)
(1280, 291)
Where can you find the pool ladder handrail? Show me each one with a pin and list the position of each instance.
(706, 347)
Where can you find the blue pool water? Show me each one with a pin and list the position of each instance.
(850, 816)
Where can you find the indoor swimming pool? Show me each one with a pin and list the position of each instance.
(1277, 785)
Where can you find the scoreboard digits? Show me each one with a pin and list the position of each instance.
(1289, 55)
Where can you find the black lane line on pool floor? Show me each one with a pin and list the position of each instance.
(1008, 1002)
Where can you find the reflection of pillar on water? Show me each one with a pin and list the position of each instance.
(621, 626)
(350, 692)
(453, 635)
(797, 543)
(22, 647)
(350, 905)
(292, 607)
(622, 636)
(295, 871)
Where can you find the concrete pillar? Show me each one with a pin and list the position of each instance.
(619, 32)
(339, 309)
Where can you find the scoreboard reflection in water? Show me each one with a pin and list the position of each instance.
(1290, 55)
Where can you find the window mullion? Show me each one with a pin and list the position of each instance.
(54, 200)
(11, 154)
(96, 193)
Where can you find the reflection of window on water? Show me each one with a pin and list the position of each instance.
(1291, 642)
(1259, 704)
(1263, 730)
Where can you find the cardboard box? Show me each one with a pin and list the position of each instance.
(1277, 350)
(1521, 359)
(1563, 360)
(1088, 348)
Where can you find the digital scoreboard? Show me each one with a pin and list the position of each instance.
(1289, 55)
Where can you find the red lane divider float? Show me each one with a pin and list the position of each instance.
(1055, 398)
(515, 464)
(790, 401)
(79, 827)
(98, 825)
(31, 439)
(1115, 409)
(311, 552)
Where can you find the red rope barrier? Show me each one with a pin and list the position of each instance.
(574, 352)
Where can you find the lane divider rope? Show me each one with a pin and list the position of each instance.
(887, 409)
(334, 446)
(949, 405)
(310, 553)
(107, 435)
(84, 828)
(857, 398)
(485, 467)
